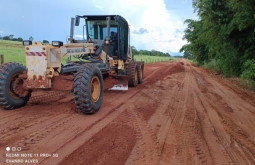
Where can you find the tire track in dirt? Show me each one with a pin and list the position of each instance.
(106, 115)
(194, 118)
(40, 98)
(233, 120)
(10, 131)
(172, 145)
(220, 91)
(170, 111)
(113, 149)
(214, 111)
(72, 142)
(116, 96)
(5, 120)
(32, 139)
(145, 149)
(223, 138)
(240, 139)
(156, 91)
(208, 131)
(179, 115)
(25, 125)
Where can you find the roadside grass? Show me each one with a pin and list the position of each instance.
(193, 61)
(18, 55)
(13, 55)
(151, 59)
(10, 42)
(212, 65)
(14, 51)
(250, 84)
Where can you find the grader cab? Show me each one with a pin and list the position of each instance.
(103, 50)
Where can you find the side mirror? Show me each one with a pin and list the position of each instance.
(77, 21)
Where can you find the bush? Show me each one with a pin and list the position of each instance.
(20, 39)
(249, 70)
(6, 38)
(212, 64)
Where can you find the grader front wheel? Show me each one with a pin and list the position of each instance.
(88, 89)
(10, 86)
(95, 88)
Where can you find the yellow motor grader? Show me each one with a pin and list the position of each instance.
(102, 52)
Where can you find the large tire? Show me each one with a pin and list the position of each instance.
(132, 73)
(9, 72)
(140, 72)
(88, 89)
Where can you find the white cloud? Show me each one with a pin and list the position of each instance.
(79, 36)
(99, 7)
(160, 29)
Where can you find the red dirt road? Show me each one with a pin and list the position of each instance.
(181, 114)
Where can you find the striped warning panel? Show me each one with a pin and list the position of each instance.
(36, 54)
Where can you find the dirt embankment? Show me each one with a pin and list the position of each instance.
(181, 114)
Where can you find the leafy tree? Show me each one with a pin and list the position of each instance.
(167, 54)
(20, 39)
(134, 50)
(249, 70)
(14, 39)
(150, 53)
(31, 38)
(187, 54)
(6, 38)
(45, 41)
(223, 33)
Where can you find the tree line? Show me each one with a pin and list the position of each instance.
(149, 52)
(11, 39)
(223, 35)
(134, 50)
(19, 39)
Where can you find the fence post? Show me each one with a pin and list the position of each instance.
(2, 59)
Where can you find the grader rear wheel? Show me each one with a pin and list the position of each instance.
(88, 89)
(140, 72)
(132, 73)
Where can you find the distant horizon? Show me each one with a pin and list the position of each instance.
(173, 54)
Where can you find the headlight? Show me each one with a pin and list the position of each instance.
(27, 42)
(57, 43)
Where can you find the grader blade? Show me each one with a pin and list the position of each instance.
(119, 87)
(121, 83)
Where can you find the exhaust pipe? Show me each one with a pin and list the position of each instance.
(72, 30)
(108, 19)
(107, 38)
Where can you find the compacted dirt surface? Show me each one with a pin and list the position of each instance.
(180, 114)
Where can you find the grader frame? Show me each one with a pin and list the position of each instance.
(99, 54)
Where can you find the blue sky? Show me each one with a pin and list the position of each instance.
(154, 24)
